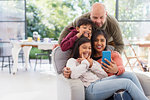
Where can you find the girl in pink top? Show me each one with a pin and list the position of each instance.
(84, 27)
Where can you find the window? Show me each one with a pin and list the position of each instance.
(12, 19)
(134, 18)
(132, 15)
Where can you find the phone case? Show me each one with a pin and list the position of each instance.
(107, 55)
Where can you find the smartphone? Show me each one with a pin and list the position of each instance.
(106, 55)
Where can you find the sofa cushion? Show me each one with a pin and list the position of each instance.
(110, 47)
(144, 78)
(69, 89)
(148, 97)
(59, 58)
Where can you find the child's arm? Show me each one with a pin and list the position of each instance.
(97, 69)
(69, 40)
(77, 70)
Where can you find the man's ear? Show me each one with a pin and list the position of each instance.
(77, 28)
(90, 15)
(106, 13)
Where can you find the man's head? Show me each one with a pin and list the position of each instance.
(98, 14)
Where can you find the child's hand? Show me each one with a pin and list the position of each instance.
(80, 59)
(79, 35)
(90, 60)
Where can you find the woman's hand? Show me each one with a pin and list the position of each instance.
(111, 68)
(66, 72)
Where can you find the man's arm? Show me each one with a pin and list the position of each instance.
(116, 34)
(118, 40)
(66, 31)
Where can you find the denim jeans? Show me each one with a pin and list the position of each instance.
(124, 95)
(104, 88)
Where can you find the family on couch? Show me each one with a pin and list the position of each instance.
(91, 34)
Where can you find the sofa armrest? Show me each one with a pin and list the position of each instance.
(144, 79)
(70, 89)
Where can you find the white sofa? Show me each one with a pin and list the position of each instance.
(69, 89)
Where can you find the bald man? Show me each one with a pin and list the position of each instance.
(103, 21)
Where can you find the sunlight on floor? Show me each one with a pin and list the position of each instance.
(29, 85)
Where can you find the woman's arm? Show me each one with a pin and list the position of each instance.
(116, 57)
(77, 70)
(115, 67)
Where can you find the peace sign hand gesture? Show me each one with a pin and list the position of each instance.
(90, 60)
(80, 59)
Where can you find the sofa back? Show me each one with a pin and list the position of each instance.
(59, 59)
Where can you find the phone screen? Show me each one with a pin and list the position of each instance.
(106, 55)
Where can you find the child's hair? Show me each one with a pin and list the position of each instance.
(80, 41)
(84, 21)
(96, 33)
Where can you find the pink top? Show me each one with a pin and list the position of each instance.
(68, 42)
(116, 57)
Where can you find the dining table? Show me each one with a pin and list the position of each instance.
(26, 46)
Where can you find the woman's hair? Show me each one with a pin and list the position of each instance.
(80, 41)
(84, 21)
(96, 33)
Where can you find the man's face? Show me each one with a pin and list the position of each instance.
(98, 17)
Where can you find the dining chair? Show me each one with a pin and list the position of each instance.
(46, 53)
(21, 55)
(131, 54)
(5, 52)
